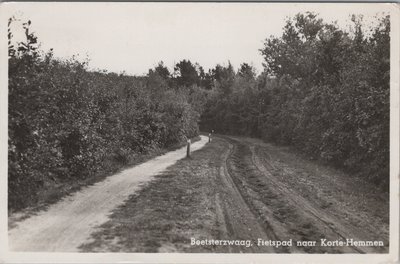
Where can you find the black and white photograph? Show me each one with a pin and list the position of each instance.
(199, 132)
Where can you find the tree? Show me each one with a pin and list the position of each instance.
(246, 71)
(67, 124)
(161, 70)
(186, 73)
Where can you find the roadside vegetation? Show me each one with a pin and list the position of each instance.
(324, 90)
(68, 124)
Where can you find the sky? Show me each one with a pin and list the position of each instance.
(133, 37)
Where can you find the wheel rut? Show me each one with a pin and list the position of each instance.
(239, 220)
(282, 212)
(303, 204)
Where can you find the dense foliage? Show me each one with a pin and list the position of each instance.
(66, 123)
(324, 90)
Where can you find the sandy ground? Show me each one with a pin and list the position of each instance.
(233, 189)
(304, 201)
(68, 224)
(245, 189)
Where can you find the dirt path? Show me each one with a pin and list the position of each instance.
(69, 223)
(236, 219)
(299, 204)
(234, 189)
(244, 189)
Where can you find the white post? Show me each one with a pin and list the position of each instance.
(188, 148)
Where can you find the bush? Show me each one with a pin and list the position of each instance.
(324, 90)
(66, 121)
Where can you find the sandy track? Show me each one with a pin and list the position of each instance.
(287, 211)
(69, 223)
(243, 189)
(238, 221)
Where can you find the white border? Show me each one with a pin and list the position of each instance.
(392, 257)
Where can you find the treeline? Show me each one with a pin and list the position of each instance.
(67, 123)
(324, 90)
